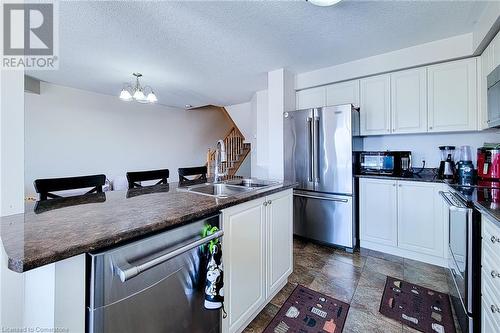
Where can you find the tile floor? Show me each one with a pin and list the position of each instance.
(357, 279)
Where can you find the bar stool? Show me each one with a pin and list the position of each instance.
(198, 175)
(135, 177)
(45, 187)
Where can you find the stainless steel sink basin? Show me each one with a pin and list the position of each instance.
(219, 190)
(229, 188)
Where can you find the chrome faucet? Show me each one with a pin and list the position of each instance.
(220, 156)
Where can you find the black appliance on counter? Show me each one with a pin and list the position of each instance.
(447, 165)
(385, 163)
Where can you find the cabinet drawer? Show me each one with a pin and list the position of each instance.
(488, 322)
(490, 299)
(489, 229)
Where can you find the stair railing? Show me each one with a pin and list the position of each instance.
(234, 142)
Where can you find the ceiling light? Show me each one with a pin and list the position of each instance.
(125, 95)
(136, 92)
(323, 3)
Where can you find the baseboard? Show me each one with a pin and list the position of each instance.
(438, 261)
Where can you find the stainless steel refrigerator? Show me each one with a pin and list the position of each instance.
(319, 152)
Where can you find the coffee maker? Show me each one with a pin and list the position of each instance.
(447, 165)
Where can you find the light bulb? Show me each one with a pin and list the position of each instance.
(152, 98)
(125, 95)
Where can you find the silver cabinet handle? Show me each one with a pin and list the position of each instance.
(430, 127)
(320, 198)
(265, 203)
(128, 273)
(494, 309)
(495, 239)
(269, 202)
(400, 185)
(495, 274)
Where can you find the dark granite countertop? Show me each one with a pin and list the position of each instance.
(485, 197)
(62, 228)
(426, 175)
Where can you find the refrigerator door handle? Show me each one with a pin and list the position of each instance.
(311, 148)
(316, 148)
(320, 198)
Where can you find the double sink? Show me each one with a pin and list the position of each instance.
(229, 188)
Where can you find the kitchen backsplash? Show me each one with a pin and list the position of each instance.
(425, 146)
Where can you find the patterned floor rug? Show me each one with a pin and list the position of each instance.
(420, 308)
(307, 311)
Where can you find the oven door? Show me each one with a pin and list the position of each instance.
(460, 257)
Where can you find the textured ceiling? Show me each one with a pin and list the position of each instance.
(218, 52)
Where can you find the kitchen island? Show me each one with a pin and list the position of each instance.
(49, 244)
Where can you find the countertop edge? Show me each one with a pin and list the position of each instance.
(20, 266)
(486, 211)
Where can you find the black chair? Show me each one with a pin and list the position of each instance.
(140, 176)
(198, 174)
(45, 187)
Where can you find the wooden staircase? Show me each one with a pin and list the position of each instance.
(236, 149)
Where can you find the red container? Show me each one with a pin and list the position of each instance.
(488, 163)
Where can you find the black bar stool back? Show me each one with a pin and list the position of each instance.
(45, 187)
(141, 176)
(198, 174)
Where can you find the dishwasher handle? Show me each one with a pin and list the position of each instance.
(126, 274)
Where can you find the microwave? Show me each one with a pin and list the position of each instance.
(388, 163)
(494, 98)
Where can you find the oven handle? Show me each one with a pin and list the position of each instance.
(450, 204)
(130, 272)
(469, 260)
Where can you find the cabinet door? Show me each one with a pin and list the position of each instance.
(409, 101)
(280, 239)
(375, 105)
(452, 96)
(378, 211)
(420, 222)
(311, 98)
(244, 262)
(343, 93)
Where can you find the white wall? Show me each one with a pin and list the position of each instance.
(436, 51)
(11, 188)
(281, 98)
(425, 146)
(242, 117)
(260, 149)
(73, 132)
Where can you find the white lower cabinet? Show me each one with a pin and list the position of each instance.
(257, 250)
(420, 226)
(403, 218)
(378, 211)
(490, 278)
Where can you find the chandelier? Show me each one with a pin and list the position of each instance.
(138, 93)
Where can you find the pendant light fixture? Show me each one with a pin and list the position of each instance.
(138, 93)
(323, 3)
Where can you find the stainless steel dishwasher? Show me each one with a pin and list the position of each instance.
(153, 285)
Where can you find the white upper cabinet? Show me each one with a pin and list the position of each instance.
(409, 101)
(343, 93)
(375, 105)
(311, 98)
(452, 96)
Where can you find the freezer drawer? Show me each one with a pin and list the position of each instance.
(324, 218)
